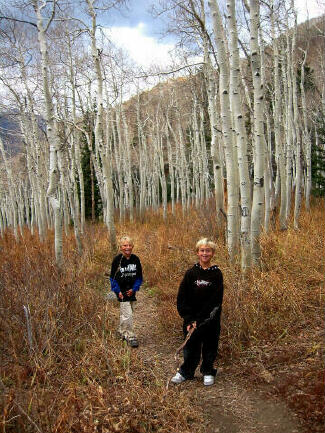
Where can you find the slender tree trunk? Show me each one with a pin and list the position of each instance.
(231, 163)
(239, 122)
(259, 139)
(99, 139)
(53, 136)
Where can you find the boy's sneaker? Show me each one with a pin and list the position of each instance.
(208, 380)
(133, 342)
(178, 378)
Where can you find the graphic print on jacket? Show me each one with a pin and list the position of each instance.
(129, 271)
(126, 274)
(202, 283)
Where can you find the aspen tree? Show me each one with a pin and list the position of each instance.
(242, 151)
(277, 120)
(143, 156)
(171, 167)
(216, 151)
(296, 132)
(99, 136)
(289, 122)
(306, 133)
(226, 122)
(52, 130)
(76, 154)
(119, 151)
(195, 151)
(128, 166)
(259, 138)
(205, 189)
(13, 205)
(160, 154)
(39, 165)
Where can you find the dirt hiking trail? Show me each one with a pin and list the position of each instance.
(226, 406)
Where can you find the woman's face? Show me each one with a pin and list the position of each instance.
(126, 249)
(205, 254)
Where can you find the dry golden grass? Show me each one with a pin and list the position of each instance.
(78, 376)
(273, 322)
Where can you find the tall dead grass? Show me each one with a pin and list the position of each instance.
(74, 375)
(273, 317)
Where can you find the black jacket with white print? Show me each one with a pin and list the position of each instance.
(199, 293)
(126, 274)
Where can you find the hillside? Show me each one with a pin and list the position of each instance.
(10, 133)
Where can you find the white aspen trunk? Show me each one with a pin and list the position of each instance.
(259, 139)
(128, 167)
(77, 158)
(297, 141)
(75, 203)
(32, 143)
(120, 161)
(170, 168)
(99, 139)
(2, 222)
(242, 151)
(306, 135)
(52, 133)
(205, 189)
(289, 128)
(216, 155)
(278, 119)
(27, 204)
(21, 211)
(268, 175)
(268, 184)
(161, 159)
(64, 193)
(143, 160)
(13, 206)
(26, 128)
(181, 163)
(162, 175)
(79, 205)
(195, 148)
(231, 164)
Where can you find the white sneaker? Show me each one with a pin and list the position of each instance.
(178, 378)
(208, 380)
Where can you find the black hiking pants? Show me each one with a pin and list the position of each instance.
(204, 341)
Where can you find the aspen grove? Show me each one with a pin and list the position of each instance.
(237, 128)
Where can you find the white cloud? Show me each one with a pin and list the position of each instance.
(144, 50)
(311, 8)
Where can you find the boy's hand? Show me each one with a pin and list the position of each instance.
(191, 325)
(129, 292)
(120, 295)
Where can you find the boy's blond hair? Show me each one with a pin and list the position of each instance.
(126, 239)
(205, 242)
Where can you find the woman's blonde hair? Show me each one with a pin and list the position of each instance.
(126, 239)
(205, 241)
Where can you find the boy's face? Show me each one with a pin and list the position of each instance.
(126, 249)
(205, 254)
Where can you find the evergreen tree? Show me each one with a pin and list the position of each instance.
(318, 160)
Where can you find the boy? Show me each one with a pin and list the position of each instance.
(126, 279)
(199, 302)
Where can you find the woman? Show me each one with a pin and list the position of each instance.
(199, 303)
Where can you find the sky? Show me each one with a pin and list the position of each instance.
(138, 33)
